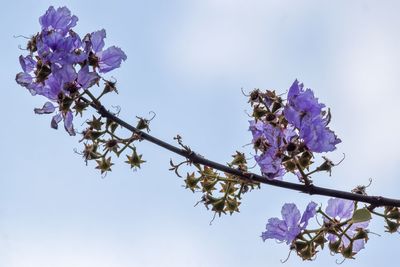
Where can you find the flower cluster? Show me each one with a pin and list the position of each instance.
(344, 228)
(287, 135)
(344, 233)
(61, 65)
(291, 225)
(305, 113)
(222, 192)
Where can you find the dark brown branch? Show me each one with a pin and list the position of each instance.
(376, 201)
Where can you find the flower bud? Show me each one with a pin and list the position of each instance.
(90, 152)
(270, 117)
(348, 251)
(300, 245)
(89, 134)
(79, 107)
(291, 147)
(109, 86)
(320, 240)
(143, 124)
(42, 72)
(232, 205)
(361, 234)
(104, 165)
(95, 123)
(290, 165)
(218, 204)
(334, 246)
(389, 209)
(326, 166)
(391, 226)
(394, 214)
(305, 162)
(277, 105)
(261, 144)
(191, 182)
(135, 160)
(238, 159)
(255, 96)
(259, 112)
(208, 184)
(31, 46)
(111, 145)
(307, 253)
(65, 102)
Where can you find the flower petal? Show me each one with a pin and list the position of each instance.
(97, 40)
(59, 19)
(110, 58)
(275, 229)
(27, 63)
(55, 121)
(310, 212)
(23, 79)
(69, 127)
(46, 109)
(340, 208)
(87, 79)
(290, 214)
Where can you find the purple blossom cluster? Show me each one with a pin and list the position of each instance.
(339, 229)
(305, 113)
(61, 64)
(275, 140)
(340, 211)
(288, 134)
(291, 225)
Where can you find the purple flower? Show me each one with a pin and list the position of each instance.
(291, 225)
(270, 164)
(270, 160)
(302, 105)
(51, 88)
(318, 137)
(54, 47)
(273, 135)
(58, 65)
(49, 108)
(341, 210)
(305, 113)
(59, 20)
(68, 125)
(105, 60)
(86, 78)
(65, 73)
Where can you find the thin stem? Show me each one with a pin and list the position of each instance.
(312, 172)
(307, 181)
(325, 215)
(193, 157)
(315, 237)
(377, 213)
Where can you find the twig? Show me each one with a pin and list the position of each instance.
(376, 201)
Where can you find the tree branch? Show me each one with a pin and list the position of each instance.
(310, 189)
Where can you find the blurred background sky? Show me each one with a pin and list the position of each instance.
(187, 61)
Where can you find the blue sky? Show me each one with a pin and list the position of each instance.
(187, 61)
